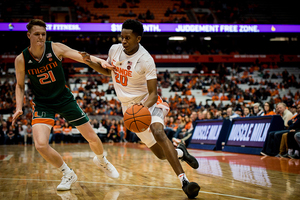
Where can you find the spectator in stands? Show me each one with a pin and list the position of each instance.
(122, 132)
(112, 135)
(257, 110)
(288, 143)
(239, 111)
(57, 132)
(210, 115)
(268, 109)
(67, 133)
(21, 132)
(95, 123)
(29, 134)
(231, 114)
(285, 113)
(273, 140)
(3, 131)
(10, 137)
(187, 135)
(247, 112)
(293, 110)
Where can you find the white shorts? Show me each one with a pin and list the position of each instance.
(158, 112)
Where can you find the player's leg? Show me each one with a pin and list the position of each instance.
(190, 188)
(96, 145)
(73, 113)
(41, 128)
(167, 148)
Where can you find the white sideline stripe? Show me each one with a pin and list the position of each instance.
(7, 157)
(129, 185)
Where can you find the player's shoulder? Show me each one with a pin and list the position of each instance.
(146, 58)
(114, 47)
(20, 58)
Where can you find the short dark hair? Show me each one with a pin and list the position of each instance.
(35, 22)
(134, 25)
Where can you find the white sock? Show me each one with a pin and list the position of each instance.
(297, 152)
(101, 158)
(290, 151)
(65, 169)
(179, 153)
(182, 177)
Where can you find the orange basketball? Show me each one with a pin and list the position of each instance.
(137, 118)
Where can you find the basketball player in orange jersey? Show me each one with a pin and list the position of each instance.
(41, 61)
(135, 80)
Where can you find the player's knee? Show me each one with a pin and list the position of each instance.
(41, 146)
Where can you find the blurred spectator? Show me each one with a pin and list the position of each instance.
(10, 137)
(257, 110)
(112, 135)
(268, 109)
(122, 132)
(57, 134)
(67, 133)
(247, 112)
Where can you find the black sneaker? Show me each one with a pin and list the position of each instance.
(191, 189)
(294, 156)
(284, 155)
(188, 158)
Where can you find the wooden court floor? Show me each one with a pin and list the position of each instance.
(24, 174)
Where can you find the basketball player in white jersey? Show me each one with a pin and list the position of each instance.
(134, 76)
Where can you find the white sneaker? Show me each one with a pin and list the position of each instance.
(107, 167)
(67, 181)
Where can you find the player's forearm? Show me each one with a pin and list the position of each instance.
(96, 65)
(19, 97)
(152, 99)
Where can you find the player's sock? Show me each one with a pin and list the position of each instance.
(64, 168)
(182, 177)
(296, 153)
(179, 153)
(290, 151)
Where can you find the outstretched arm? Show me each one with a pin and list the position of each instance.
(97, 64)
(20, 76)
(103, 68)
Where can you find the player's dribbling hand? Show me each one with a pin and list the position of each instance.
(16, 115)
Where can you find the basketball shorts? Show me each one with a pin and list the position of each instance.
(44, 113)
(158, 112)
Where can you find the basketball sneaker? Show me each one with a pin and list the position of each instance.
(188, 158)
(191, 189)
(106, 167)
(67, 181)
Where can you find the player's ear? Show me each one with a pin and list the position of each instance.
(139, 38)
(28, 35)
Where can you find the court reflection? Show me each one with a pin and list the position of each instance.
(247, 168)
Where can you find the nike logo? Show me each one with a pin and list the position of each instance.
(29, 61)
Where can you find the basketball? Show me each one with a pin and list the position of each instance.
(137, 118)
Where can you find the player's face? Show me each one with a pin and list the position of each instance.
(37, 36)
(130, 41)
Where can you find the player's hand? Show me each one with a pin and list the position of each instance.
(141, 104)
(106, 65)
(16, 115)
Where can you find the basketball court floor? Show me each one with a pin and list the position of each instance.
(24, 174)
